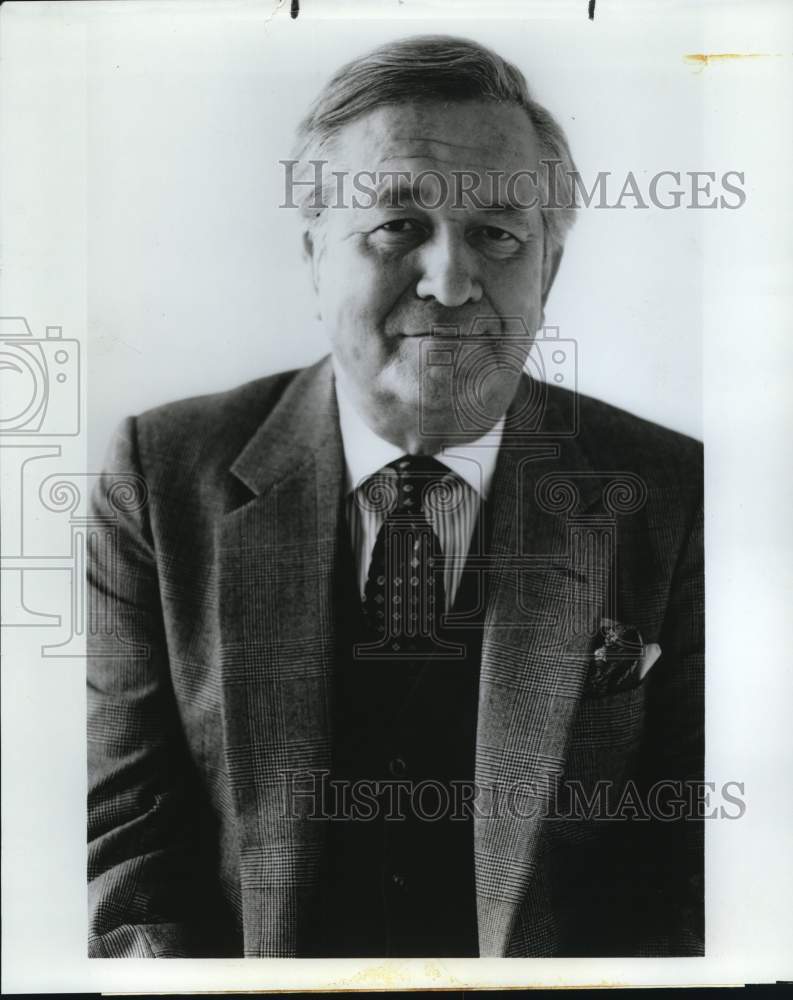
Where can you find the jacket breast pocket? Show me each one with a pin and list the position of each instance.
(601, 763)
(606, 737)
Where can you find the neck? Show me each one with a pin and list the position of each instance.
(399, 424)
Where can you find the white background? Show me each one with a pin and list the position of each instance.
(139, 211)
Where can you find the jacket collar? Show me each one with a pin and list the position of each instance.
(302, 429)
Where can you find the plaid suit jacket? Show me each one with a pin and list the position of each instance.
(211, 647)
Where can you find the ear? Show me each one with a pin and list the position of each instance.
(552, 258)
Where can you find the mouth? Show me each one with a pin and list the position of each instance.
(440, 333)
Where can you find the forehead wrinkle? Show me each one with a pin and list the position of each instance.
(458, 156)
(429, 149)
(402, 158)
(434, 140)
(388, 141)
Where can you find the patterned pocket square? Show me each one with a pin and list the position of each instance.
(621, 660)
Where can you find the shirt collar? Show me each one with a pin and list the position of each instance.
(366, 452)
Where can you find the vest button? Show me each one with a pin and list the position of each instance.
(397, 767)
(399, 880)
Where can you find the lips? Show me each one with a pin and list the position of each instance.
(448, 332)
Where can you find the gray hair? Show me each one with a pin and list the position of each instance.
(436, 68)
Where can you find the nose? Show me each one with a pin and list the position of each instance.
(448, 271)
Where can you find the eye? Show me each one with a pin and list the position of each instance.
(496, 242)
(496, 235)
(399, 235)
(399, 226)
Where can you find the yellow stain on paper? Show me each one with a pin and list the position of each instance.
(702, 59)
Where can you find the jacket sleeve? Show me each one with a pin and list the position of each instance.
(146, 896)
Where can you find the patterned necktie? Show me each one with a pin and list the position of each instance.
(405, 597)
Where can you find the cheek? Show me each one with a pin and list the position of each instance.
(515, 289)
(357, 289)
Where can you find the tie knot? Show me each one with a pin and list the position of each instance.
(414, 486)
(423, 466)
(418, 483)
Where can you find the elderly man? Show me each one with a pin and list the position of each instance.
(402, 654)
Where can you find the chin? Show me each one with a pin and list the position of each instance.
(400, 380)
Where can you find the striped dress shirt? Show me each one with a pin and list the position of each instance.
(366, 455)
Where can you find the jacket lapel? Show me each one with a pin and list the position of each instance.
(278, 556)
(549, 580)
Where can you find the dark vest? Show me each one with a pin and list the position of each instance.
(398, 876)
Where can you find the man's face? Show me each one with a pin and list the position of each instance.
(387, 274)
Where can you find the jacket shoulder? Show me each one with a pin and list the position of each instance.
(208, 430)
(615, 439)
